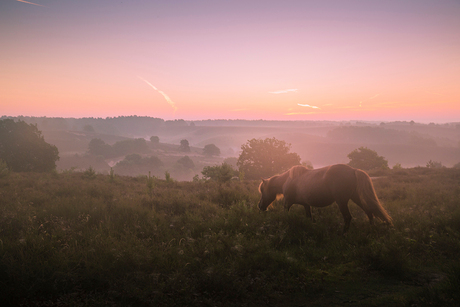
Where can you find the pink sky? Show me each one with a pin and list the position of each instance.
(286, 60)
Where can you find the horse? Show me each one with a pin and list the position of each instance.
(322, 187)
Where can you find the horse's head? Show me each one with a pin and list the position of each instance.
(267, 195)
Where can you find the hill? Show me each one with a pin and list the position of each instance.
(319, 142)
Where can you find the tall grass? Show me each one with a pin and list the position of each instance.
(88, 239)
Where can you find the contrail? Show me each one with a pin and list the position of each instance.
(30, 3)
(307, 105)
(284, 91)
(361, 102)
(166, 97)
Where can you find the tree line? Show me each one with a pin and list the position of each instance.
(23, 149)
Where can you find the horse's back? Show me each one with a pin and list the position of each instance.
(322, 186)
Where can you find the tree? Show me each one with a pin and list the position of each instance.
(434, 164)
(265, 158)
(186, 162)
(366, 159)
(23, 148)
(155, 140)
(220, 173)
(211, 150)
(99, 147)
(124, 147)
(184, 146)
(88, 128)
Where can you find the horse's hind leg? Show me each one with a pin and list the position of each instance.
(343, 206)
(357, 200)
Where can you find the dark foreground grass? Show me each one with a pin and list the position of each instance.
(78, 239)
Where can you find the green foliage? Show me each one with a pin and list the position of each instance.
(211, 150)
(168, 177)
(457, 165)
(434, 164)
(265, 158)
(99, 147)
(186, 162)
(184, 146)
(101, 242)
(23, 148)
(120, 148)
(232, 161)
(90, 173)
(135, 164)
(155, 140)
(220, 173)
(124, 147)
(3, 169)
(88, 128)
(366, 159)
(397, 166)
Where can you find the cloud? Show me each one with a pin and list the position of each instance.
(30, 3)
(284, 91)
(308, 106)
(166, 97)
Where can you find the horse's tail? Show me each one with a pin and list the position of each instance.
(297, 171)
(369, 198)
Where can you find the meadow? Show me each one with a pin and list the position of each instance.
(86, 239)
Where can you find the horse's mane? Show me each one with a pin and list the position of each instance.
(297, 171)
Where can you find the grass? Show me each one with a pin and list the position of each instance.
(80, 239)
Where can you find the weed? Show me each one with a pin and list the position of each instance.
(101, 241)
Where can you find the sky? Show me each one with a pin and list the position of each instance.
(275, 60)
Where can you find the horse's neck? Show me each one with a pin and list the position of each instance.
(278, 182)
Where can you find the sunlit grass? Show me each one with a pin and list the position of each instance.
(101, 239)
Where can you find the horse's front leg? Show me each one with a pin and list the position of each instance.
(287, 205)
(308, 212)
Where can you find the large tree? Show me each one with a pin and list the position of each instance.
(184, 146)
(211, 150)
(265, 158)
(24, 149)
(366, 159)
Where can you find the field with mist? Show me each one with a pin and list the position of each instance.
(127, 219)
(320, 143)
(86, 239)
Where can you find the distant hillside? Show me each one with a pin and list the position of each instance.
(320, 142)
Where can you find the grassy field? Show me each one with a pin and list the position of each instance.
(80, 239)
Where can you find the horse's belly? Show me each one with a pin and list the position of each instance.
(318, 200)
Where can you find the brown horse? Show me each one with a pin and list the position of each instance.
(321, 187)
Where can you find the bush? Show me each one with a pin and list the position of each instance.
(220, 173)
(366, 159)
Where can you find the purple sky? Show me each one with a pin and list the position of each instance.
(332, 60)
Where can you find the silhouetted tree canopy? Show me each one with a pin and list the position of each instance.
(186, 162)
(211, 150)
(184, 146)
(155, 140)
(265, 158)
(23, 148)
(88, 128)
(120, 148)
(366, 159)
(99, 148)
